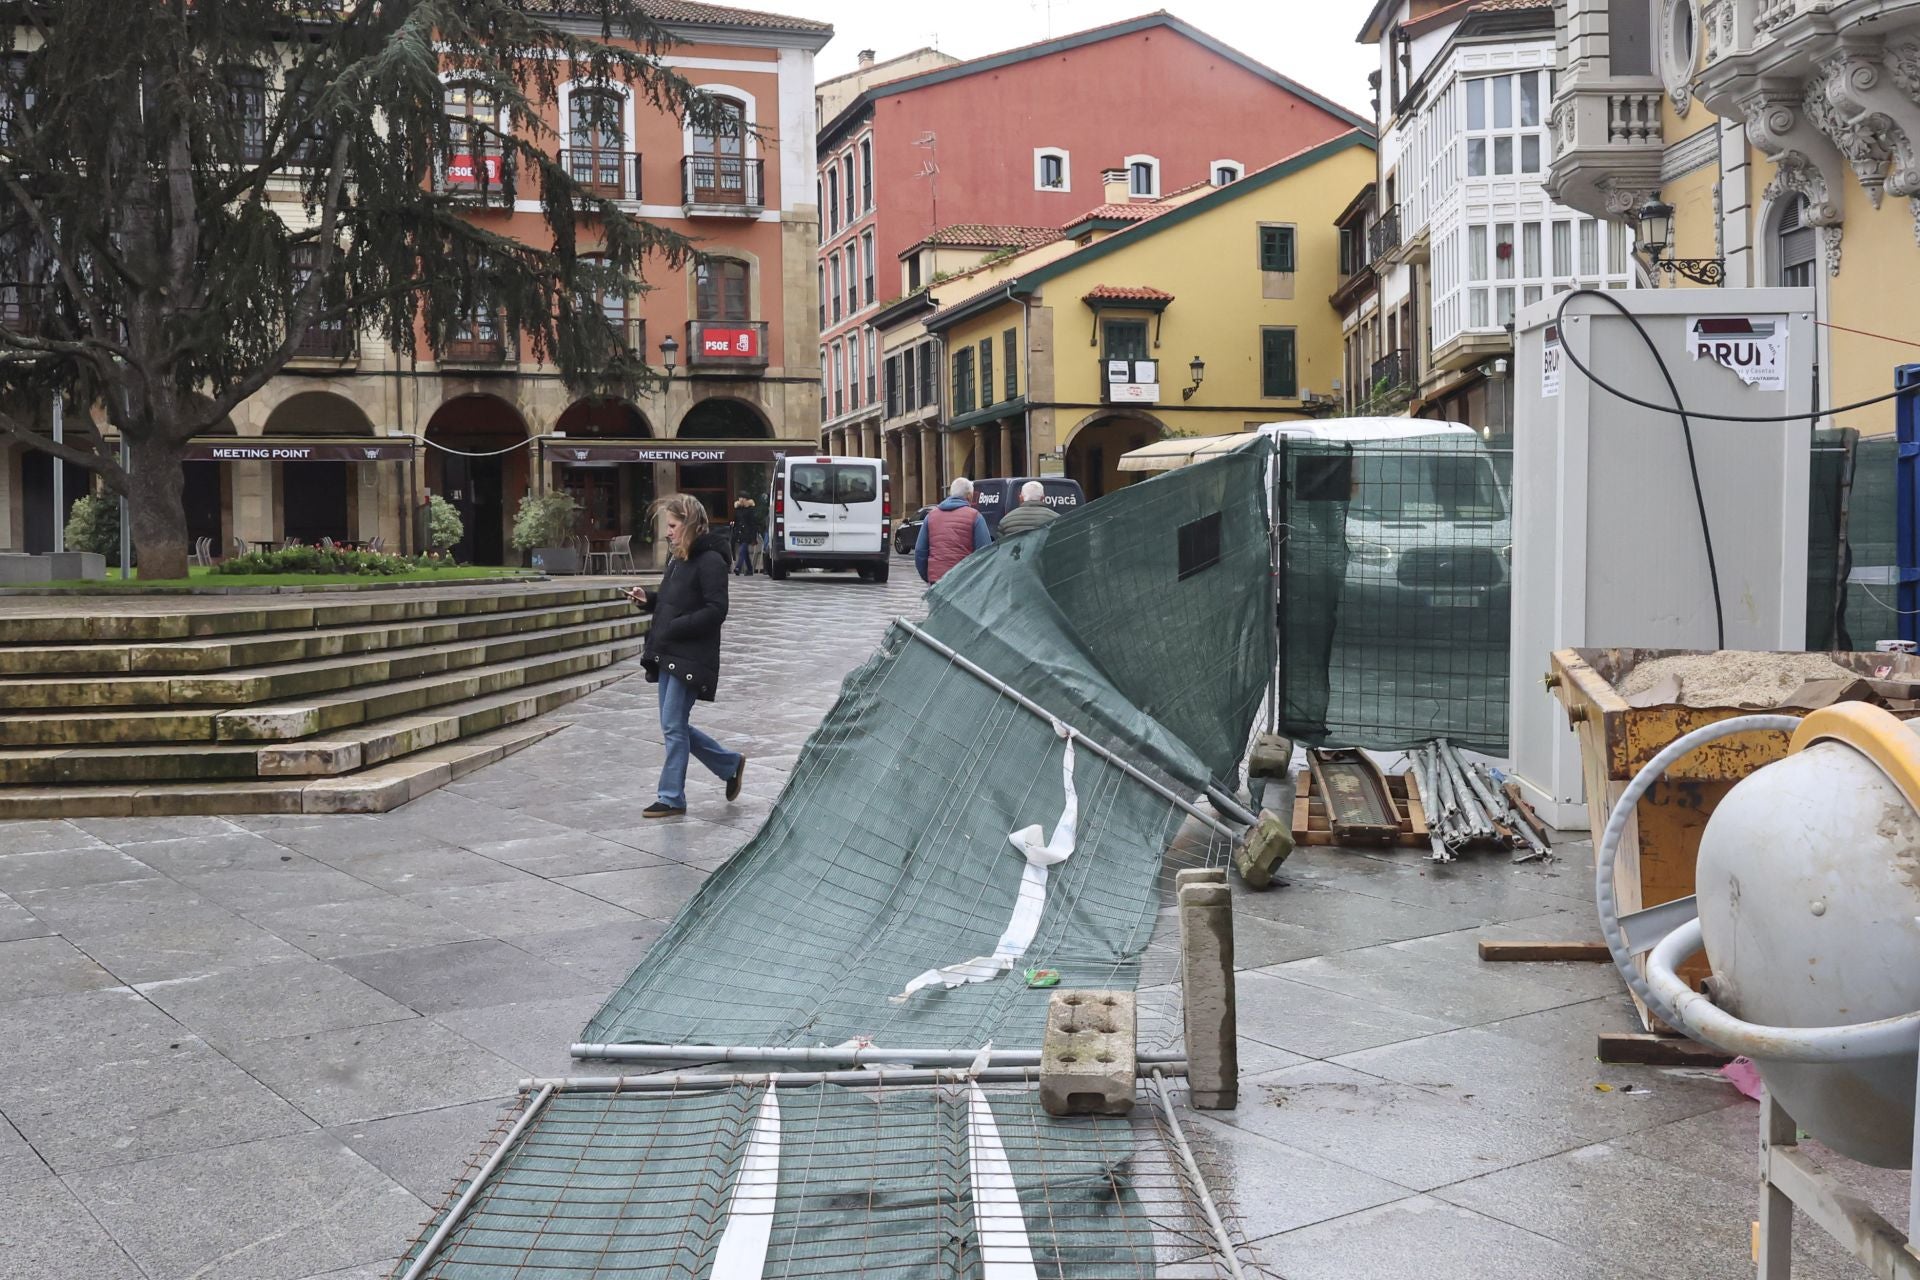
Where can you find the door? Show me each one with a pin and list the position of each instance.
(856, 509)
(202, 500)
(810, 508)
(36, 478)
(597, 490)
(314, 501)
(718, 166)
(597, 143)
(474, 486)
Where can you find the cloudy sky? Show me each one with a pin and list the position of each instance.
(1310, 40)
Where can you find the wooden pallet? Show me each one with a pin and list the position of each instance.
(1310, 824)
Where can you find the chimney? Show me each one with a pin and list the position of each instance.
(866, 57)
(1118, 189)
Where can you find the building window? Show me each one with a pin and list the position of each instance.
(721, 289)
(910, 377)
(853, 279)
(1008, 341)
(1349, 251)
(839, 379)
(1125, 339)
(873, 349)
(1276, 249)
(1504, 134)
(866, 261)
(963, 381)
(823, 295)
(853, 373)
(833, 202)
(1227, 171)
(1278, 380)
(247, 113)
(866, 174)
(1143, 176)
(597, 141)
(473, 133)
(986, 372)
(1049, 169)
(929, 378)
(913, 273)
(893, 387)
(833, 267)
(848, 175)
(1794, 245)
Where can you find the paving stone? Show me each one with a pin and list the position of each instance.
(144, 930)
(47, 967)
(1421, 1238)
(601, 956)
(576, 853)
(17, 922)
(420, 867)
(68, 868)
(249, 873)
(175, 1098)
(46, 1233)
(269, 1210)
(1269, 1187)
(365, 1073)
(426, 1151)
(43, 836)
(659, 892)
(526, 906)
(1440, 977)
(18, 1160)
(334, 930)
(1317, 1023)
(47, 1035)
(290, 997)
(130, 830)
(463, 975)
(534, 1036)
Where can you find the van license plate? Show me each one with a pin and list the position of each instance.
(1452, 601)
(808, 539)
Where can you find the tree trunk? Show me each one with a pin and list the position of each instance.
(158, 511)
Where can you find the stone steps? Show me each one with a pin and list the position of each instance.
(348, 707)
(300, 679)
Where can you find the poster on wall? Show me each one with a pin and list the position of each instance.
(1753, 347)
(1551, 357)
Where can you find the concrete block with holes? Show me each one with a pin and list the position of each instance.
(1271, 757)
(1266, 846)
(1087, 1063)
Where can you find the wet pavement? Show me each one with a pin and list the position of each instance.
(263, 1048)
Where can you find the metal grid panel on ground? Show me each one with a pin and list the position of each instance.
(873, 1183)
(888, 852)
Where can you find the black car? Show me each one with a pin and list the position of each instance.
(909, 532)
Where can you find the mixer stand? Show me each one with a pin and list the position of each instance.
(1789, 1179)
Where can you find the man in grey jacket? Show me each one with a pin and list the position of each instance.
(1032, 512)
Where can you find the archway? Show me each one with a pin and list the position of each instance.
(1094, 448)
(719, 484)
(613, 494)
(316, 499)
(473, 463)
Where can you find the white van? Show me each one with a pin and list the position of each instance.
(829, 513)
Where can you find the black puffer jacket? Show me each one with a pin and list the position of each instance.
(688, 608)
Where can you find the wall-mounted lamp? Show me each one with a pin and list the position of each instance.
(669, 351)
(1655, 233)
(1197, 370)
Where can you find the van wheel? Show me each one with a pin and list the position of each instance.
(776, 570)
(880, 572)
(866, 574)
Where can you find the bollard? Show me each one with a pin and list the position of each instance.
(1207, 995)
(1087, 1062)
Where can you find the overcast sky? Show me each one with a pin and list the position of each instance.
(1311, 41)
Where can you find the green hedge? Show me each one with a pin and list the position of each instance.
(303, 559)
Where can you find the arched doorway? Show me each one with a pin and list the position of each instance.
(718, 484)
(316, 499)
(1095, 446)
(613, 492)
(473, 462)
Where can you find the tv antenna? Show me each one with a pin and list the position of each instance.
(930, 142)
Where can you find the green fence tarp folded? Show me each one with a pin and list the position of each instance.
(1143, 621)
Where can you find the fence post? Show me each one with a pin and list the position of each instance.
(1906, 540)
(1206, 989)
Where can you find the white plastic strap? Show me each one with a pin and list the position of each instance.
(1027, 908)
(998, 1218)
(742, 1254)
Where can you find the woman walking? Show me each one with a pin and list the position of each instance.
(682, 653)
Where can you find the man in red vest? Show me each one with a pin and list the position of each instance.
(952, 531)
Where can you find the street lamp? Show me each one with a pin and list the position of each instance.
(1197, 370)
(1655, 233)
(669, 349)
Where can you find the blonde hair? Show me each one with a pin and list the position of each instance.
(692, 516)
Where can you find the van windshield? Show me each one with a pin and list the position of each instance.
(1426, 486)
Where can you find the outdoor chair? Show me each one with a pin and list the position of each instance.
(203, 552)
(619, 554)
(377, 545)
(326, 544)
(240, 547)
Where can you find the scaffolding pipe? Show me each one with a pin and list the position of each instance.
(1222, 1240)
(992, 681)
(475, 1185)
(838, 1055)
(802, 1079)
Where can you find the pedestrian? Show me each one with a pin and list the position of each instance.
(682, 651)
(1032, 512)
(952, 531)
(746, 533)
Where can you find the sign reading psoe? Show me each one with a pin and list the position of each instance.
(730, 344)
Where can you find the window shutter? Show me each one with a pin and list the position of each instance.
(1277, 377)
(1007, 341)
(959, 378)
(986, 372)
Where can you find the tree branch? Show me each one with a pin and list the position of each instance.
(106, 466)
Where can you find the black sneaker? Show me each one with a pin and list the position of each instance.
(658, 810)
(733, 783)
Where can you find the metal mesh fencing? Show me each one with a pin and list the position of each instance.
(1395, 592)
(879, 1183)
(1872, 514)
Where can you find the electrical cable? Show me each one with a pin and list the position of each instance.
(1686, 431)
(462, 453)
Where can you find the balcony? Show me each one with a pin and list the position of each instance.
(1391, 373)
(1606, 145)
(722, 186)
(1129, 381)
(328, 340)
(726, 344)
(482, 171)
(478, 347)
(610, 175)
(20, 307)
(1383, 237)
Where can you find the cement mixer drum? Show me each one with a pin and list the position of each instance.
(1810, 912)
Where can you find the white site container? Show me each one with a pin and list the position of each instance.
(1607, 548)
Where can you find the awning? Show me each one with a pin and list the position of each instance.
(681, 451)
(1165, 455)
(259, 450)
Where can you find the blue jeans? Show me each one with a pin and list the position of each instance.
(682, 739)
(743, 554)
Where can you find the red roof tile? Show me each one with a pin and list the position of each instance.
(983, 235)
(688, 11)
(1136, 212)
(1125, 293)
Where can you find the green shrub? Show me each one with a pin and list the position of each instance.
(444, 526)
(304, 559)
(545, 521)
(94, 525)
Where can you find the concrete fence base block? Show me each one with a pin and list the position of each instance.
(1207, 996)
(1265, 848)
(1271, 757)
(1087, 1063)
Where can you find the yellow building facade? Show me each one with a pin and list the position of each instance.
(1199, 314)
